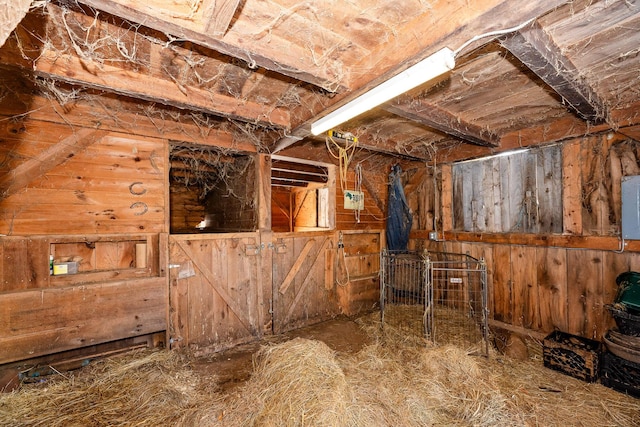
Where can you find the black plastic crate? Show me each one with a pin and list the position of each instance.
(620, 374)
(572, 355)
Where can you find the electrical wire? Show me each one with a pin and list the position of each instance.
(358, 189)
(491, 34)
(342, 257)
(344, 156)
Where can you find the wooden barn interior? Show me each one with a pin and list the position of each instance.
(161, 185)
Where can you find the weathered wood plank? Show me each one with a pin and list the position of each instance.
(208, 276)
(270, 55)
(455, 198)
(573, 242)
(594, 191)
(118, 116)
(502, 295)
(538, 51)
(264, 283)
(17, 274)
(53, 65)
(584, 281)
(38, 322)
(552, 288)
(218, 15)
(524, 288)
(306, 281)
(549, 188)
(420, 111)
(263, 193)
(19, 177)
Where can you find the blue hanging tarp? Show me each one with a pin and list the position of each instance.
(399, 218)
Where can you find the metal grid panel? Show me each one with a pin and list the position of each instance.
(460, 299)
(405, 296)
(437, 294)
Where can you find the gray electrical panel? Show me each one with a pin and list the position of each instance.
(631, 207)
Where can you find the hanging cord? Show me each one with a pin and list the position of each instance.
(344, 156)
(358, 189)
(342, 259)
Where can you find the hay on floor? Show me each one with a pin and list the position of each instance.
(141, 388)
(397, 380)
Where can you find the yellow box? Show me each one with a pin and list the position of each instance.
(65, 268)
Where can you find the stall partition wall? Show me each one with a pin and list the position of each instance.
(226, 289)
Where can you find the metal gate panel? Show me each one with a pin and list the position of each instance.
(440, 296)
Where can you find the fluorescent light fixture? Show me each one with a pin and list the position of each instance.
(425, 70)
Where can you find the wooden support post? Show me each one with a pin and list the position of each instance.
(263, 191)
(571, 189)
(446, 198)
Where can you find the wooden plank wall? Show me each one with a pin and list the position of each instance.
(563, 281)
(374, 186)
(74, 191)
(547, 288)
(281, 220)
(230, 206)
(114, 185)
(186, 210)
(357, 270)
(521, 192)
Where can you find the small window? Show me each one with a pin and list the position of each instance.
(302, 195)
(513, 192)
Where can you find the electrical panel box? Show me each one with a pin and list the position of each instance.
(354, 200)
(631, 207)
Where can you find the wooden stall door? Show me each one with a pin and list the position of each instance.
(304, 290)
(216, 298)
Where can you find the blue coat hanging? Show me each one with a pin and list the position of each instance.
(399, 217)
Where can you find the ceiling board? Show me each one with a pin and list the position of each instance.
(278, 65)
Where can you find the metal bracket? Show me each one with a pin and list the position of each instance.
(252, 250)
(280, 246)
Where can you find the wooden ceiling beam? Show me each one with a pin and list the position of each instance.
(218, 15)
(266, 55)
(124, 116)
(423, 38)
(76, 71)
(539, 52)
(420, 111)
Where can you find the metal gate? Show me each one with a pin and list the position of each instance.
(440, 295)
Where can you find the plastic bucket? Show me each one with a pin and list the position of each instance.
(629, 290)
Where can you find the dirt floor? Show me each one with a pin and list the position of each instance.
(234, 366)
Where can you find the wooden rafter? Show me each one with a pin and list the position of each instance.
(266, 55)
(20, 177)
(74, 70)
(218, 15)
(539, 52)
(435, 117)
